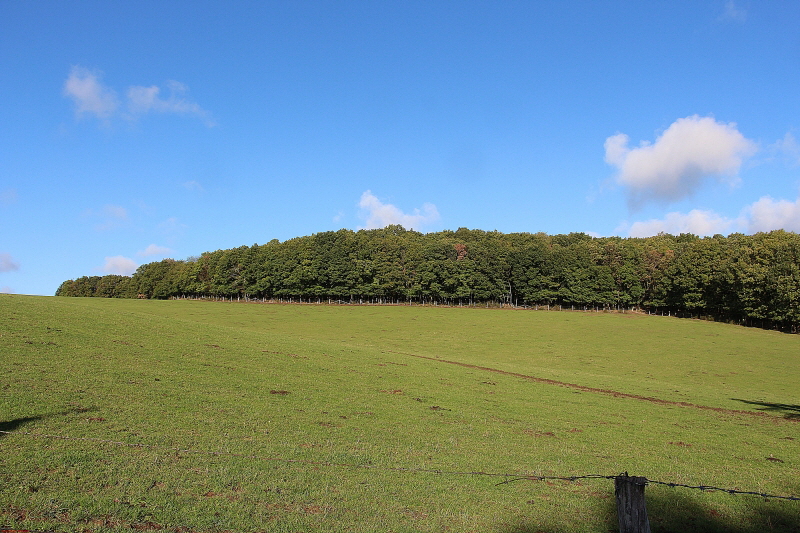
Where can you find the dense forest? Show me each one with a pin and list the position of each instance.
(749, 279)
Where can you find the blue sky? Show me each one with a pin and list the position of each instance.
(135, 131)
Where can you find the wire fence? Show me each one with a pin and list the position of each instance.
(509, 477)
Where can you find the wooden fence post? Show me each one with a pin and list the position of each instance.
(631, 508)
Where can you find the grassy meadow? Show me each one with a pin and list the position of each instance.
(191, 416)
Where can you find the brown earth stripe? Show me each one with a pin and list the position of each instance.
(584, 388)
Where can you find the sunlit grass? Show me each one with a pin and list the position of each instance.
(193, 416)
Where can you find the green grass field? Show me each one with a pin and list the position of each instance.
(196, 417)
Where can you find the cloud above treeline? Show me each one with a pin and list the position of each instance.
(766, 214)
(120, 265)
(379, 215)
(691, 151)
(155, 249)
(92, 97)
(125, 266)
(696, 221)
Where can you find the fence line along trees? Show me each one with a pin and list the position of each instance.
(751, 279)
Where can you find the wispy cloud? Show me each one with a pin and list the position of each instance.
(115, 211)
(91, 96)
(733, 13)
(7, 263)
(690, 151)
(148, 99)
(172, 228)
(6, 290)
(110, 217)
(788, 147)
(379, 215)
(155, 249)
(120, 265)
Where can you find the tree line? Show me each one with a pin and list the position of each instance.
(751, 279)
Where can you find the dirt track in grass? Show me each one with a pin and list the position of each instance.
(584, 388)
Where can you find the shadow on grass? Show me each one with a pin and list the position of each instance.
(683, 511)
(786, 409)
(9, 426)
(675, 510)
(12, 425)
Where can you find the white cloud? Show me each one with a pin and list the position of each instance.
(142, 99)
(154, 249)
(690, 151)
(146, 99)
(379, 215)
(89, 95)
(7, 263)
(6, 290)
(616, 148)
(764, 215)
(697, 221)
(120, 265)
(767, 214)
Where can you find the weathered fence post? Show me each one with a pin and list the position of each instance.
(631, 509)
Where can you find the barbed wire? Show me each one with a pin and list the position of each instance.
(646, 481)
(534, 477)
(510, 478)
(708, 488)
